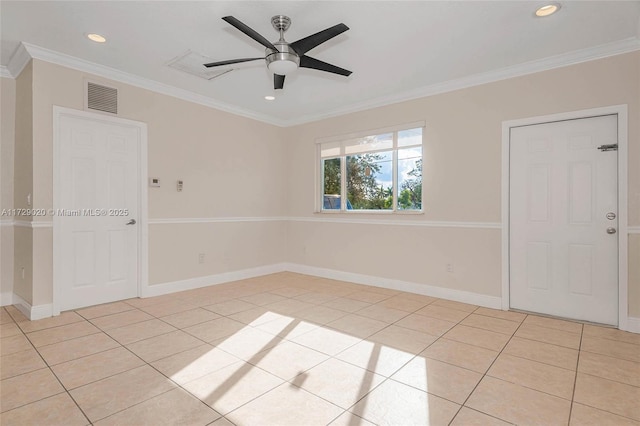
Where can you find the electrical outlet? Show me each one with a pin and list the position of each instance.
(201, 258)
(450, 267)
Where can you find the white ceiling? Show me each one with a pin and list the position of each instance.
(396, 50)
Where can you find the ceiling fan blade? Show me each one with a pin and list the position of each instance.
(278, 81)
(249, 31)
(230, 61)
(309, 62)
(304, 45)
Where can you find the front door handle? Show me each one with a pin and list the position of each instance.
(611, 230)
(131, 222)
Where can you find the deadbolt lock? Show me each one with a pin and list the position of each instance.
(611, 215)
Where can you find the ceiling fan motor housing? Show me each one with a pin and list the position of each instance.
(285, 60)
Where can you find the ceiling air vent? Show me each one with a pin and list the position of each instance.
(191, 62)
(102, 98)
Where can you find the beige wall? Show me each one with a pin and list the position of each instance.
(231, 167)
(462, 176)
(634, 219)
(634, 154)
(232, 246)
(23, 154)
(413, 254)
(7, 147)
(234, 167)
(23, 179)
(23, 259)
(634, 275)
(7, 138)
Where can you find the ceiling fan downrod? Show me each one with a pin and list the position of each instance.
(285, 60)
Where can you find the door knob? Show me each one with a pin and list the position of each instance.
(133, 222)
(611, 230)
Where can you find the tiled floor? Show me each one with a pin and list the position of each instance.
(289, 349)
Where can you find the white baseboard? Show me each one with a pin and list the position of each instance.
(494, 302)
(198, 282)
(633, 325)
(41, 311)
(32, 312)
(22, 305)
(6, 299)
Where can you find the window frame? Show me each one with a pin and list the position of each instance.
(342, 155)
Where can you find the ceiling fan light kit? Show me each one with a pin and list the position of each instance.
(283, 58)
(284, 61)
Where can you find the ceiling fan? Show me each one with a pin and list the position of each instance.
(282, 57)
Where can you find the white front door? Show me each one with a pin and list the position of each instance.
(96, 210)
(563, 243)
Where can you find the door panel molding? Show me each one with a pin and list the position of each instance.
(143, 231)
(622, 126)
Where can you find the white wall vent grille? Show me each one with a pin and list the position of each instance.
(102, 98)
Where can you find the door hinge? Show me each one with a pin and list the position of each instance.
(610, 147)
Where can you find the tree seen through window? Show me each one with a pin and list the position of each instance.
(369, 176)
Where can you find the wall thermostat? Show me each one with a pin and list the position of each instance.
(154, 182)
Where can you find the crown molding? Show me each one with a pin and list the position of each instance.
(4, 72)
(40, 53)
(26, 51)
(18, 61)
(558, 61)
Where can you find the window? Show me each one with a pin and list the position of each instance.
(376, 172)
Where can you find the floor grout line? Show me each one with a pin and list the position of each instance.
(247, 363)
(65, 390)
(464, 404)
(575, 378)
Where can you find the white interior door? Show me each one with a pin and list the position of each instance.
(563, 244)
(97, 211)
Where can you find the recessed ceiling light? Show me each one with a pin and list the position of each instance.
(548, 9)
(270, 98)
(96, 37)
